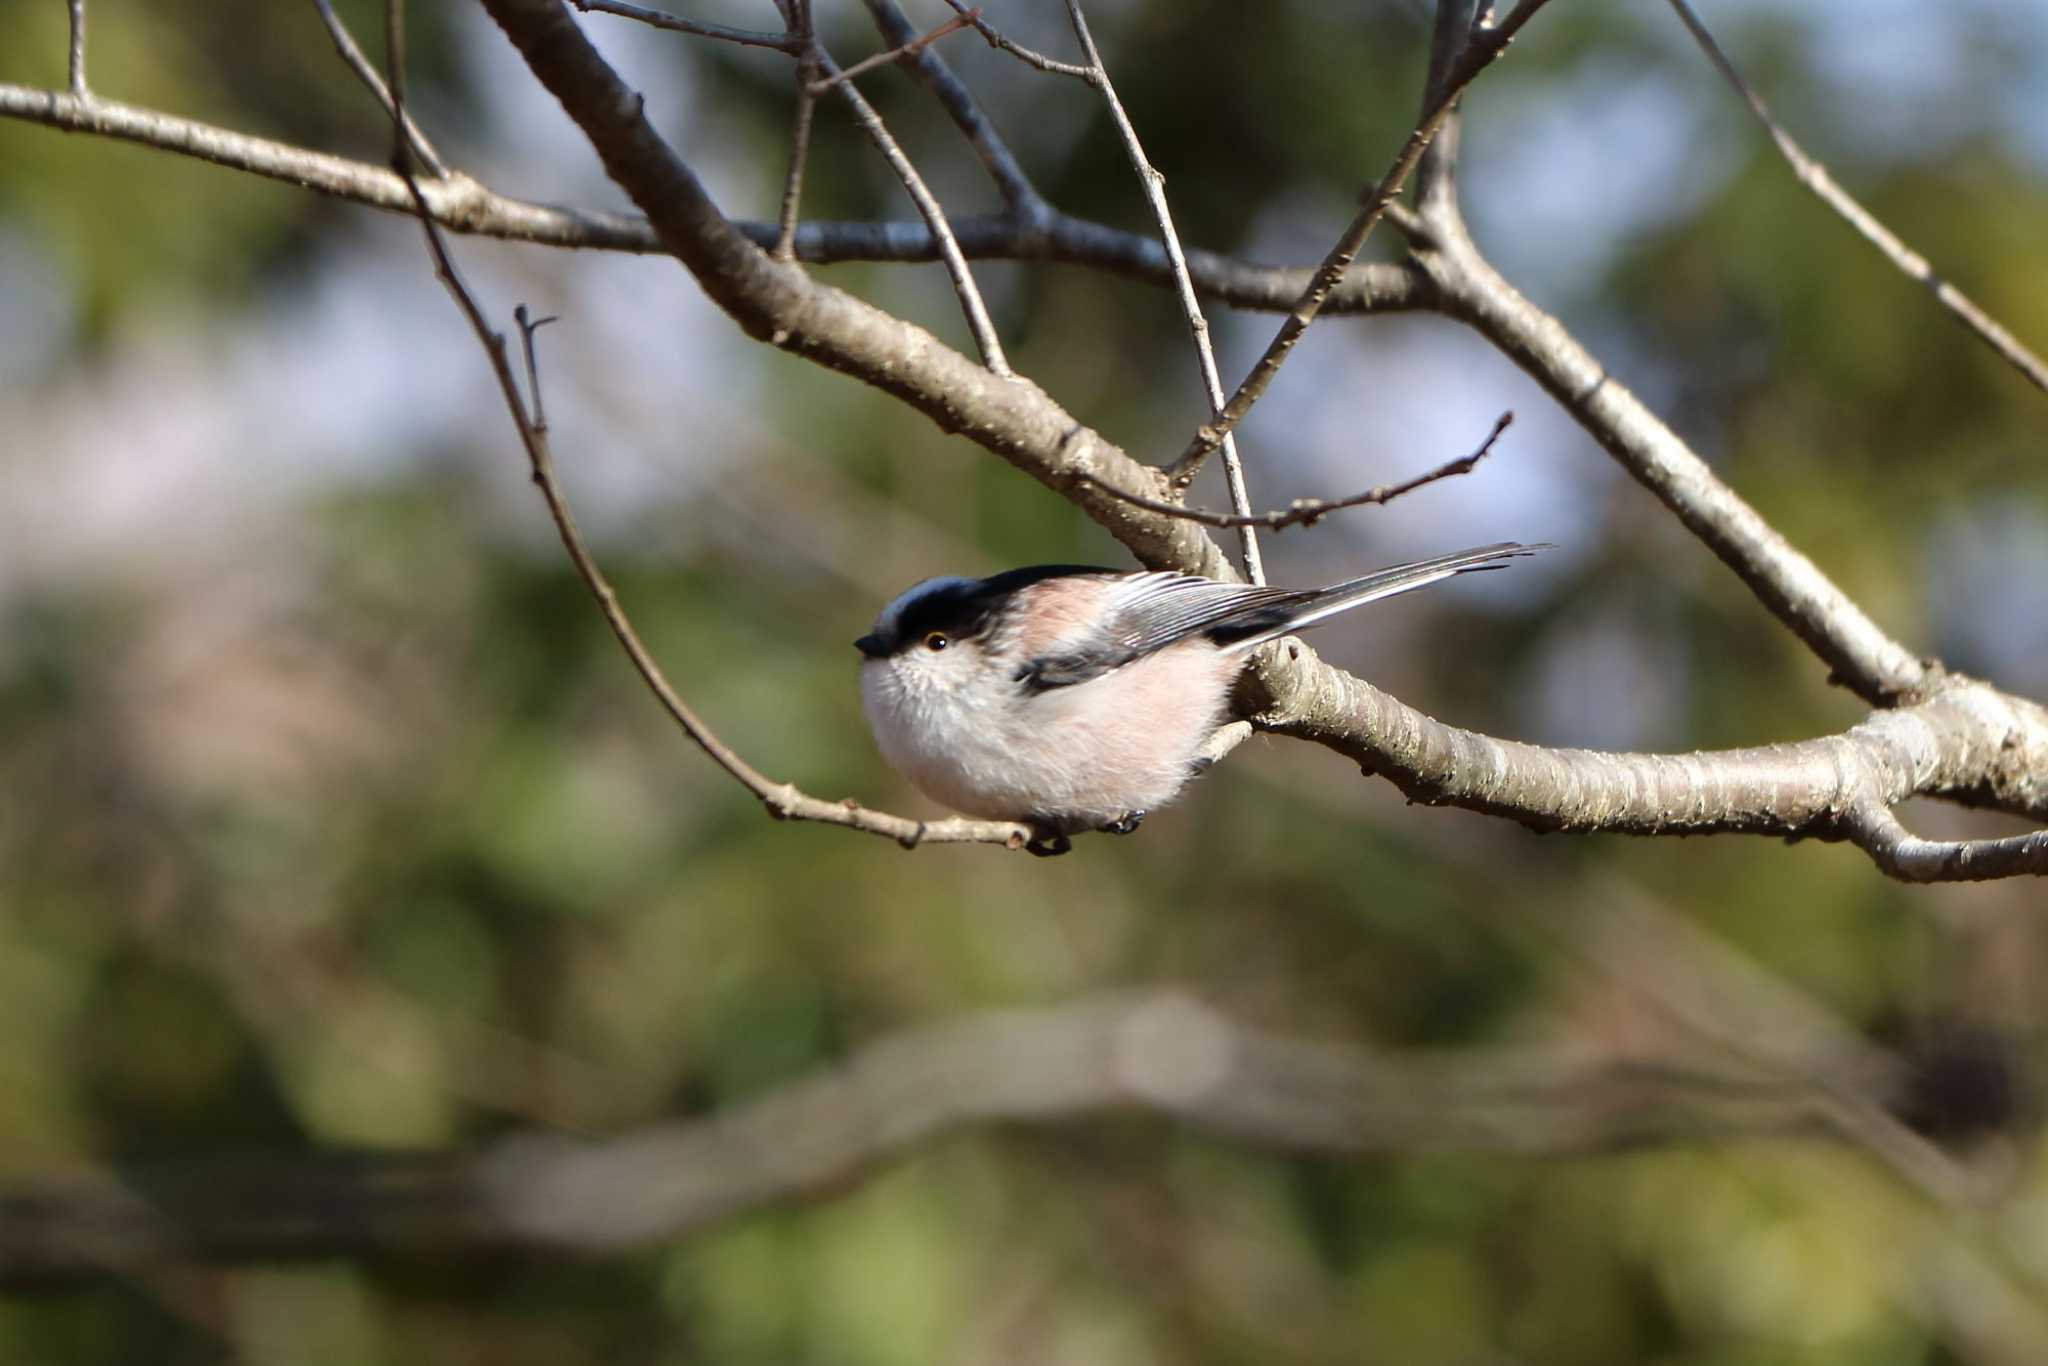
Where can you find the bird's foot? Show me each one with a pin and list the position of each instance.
(1049, 846)
(1124, 824)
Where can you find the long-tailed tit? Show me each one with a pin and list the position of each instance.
(1073, 698)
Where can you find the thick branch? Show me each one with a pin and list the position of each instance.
(1157, 1052)
(1862, 656)
(779, 303)
(1969, 741)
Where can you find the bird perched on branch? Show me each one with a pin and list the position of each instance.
(1073, 698)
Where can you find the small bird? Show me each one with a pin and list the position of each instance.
(1074, 698)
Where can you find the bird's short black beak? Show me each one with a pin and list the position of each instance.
(873, 646)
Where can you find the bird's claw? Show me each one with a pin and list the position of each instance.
(1124, 824)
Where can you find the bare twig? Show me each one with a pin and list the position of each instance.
(897, 54)
(784, 801)
(1481, 49)
(1020, 197)
(1909, 858)
(995, 39)
(675, 23)
(1309, 511)
(799, 151)
(1191, 306)
(800, 25)
(1150, 1052)
(345, 44)
(985, 338)
(77, 62)
(1815, 177)
(1436, 173)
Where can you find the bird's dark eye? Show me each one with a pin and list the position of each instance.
(937, 640)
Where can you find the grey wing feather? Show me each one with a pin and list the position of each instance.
(1148, 612)
(1257, 625)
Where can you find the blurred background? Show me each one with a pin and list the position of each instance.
(331, 818)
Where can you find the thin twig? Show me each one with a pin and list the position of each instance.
(77, 72)
(745, 37)
(1020, 196)
(1436, 192)
(985, 339)
(880, 59)
(997, 40)
(1309, 511)
(800, 26)
(1906, 856)
(784, 801)
(345, 44)
(1191, 306)
(528, 325)
(1485, 45)
(1815, 177)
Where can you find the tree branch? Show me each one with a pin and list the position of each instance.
(1909, 858)
(1480, 50)
(675, 23)
(801, 25)
(461, 204)
(1019, 195)
(1860, 654)
(1155, 1052)
(76, 64)
(784, 801)
(1011, 417)
(928, 206)
(352, 56)
(1965, 739)
(1309, 511)
(1052, 66)
(900, 53)
(1969, 742)
(1815, 177)
(1154, 185)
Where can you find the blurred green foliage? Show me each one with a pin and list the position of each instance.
(359, 831)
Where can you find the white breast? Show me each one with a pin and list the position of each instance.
(1073, 758)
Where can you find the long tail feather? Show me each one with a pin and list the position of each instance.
(1384, 583)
